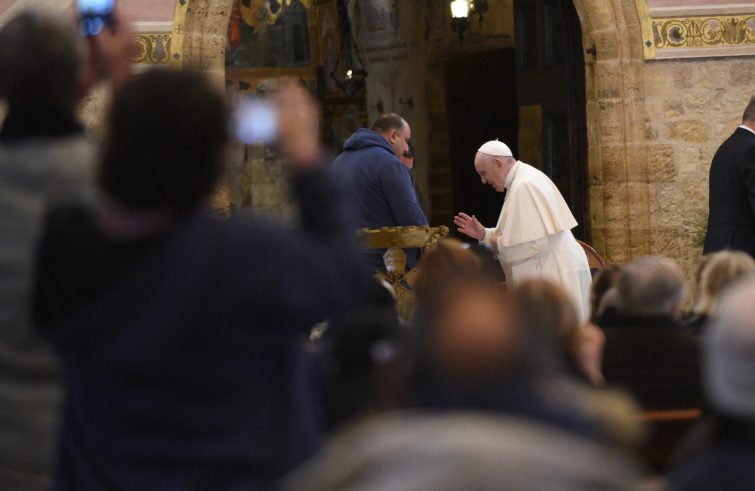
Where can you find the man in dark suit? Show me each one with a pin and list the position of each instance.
(731, 221)
(646, 351)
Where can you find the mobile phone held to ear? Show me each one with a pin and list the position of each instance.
(94, 15)
(256, 121)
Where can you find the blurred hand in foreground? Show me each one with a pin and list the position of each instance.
(298, 126)
(110, 55)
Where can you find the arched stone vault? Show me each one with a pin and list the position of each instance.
(618, 160)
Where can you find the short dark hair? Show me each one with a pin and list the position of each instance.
(166, 139)
(749, 114)
(387, 122)
(41, 60)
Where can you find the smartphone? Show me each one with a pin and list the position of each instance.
(94, 15)
(256, 121)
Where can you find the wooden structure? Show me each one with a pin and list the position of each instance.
(395, 240)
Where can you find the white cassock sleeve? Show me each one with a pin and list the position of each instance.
(520, 252)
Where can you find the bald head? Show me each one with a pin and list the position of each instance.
(396, 132)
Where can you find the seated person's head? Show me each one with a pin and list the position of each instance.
(367, 363)
(554, 332)
(447, 261)
(729, 353)
(549, 317)
(41, 63)
(477, 333)
(603, 281)
(650, 286)
(166, 137)
(720, 270)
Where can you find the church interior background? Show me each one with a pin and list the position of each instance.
(621, 102)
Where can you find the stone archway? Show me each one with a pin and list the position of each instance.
(618, 154)
(617, 149)
(200, 30)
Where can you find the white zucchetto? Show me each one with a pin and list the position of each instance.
(495, 148)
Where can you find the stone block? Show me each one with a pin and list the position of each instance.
(687, 130)
(637, 162)
(638, 205)
(639, 242)
(607, 44)
(666, 242)
(616, 245)
(658, 79)
(613, 159)
(673, 108)
(611, 122)
(682, 75)
(598, 241)
(596, 207)
(608, 80)
(594, 165)
(742, 73)
(615, 205)
(661, 162)
(651, 129)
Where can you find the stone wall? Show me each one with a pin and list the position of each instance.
(692, 107)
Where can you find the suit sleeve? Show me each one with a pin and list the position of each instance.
(399, 190)
(748, 176)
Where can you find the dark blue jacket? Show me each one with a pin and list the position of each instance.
(379, 187)
(183, 354)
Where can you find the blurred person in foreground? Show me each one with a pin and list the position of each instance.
(557, 333)
(181, 336)
(367, 364)
(533, 237)
(477, 428)
(46, 161)
(720, 451)
(646, 350)
(720, 269)
(535, 382)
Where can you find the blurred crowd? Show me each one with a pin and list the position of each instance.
(145, 344)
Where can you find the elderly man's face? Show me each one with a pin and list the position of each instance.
(491, 171)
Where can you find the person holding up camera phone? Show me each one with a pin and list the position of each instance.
(46, 162)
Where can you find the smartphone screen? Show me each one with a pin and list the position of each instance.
(94, 15)
(256, 121)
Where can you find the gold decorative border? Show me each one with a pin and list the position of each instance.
(177, 41)
(696, 36)
(154, 48)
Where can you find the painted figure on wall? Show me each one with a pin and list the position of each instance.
(268, 33)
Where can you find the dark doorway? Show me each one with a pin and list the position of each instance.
(482, 105)
(550, 68)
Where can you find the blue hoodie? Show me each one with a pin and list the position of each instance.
(380, 188)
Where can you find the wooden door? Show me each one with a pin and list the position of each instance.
(482, 106)
(551, 98)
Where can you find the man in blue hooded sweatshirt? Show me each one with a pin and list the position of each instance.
(381, 188)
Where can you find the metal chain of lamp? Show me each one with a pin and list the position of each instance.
(460, 14)
(349, 72)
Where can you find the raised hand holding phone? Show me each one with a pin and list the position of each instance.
(94, 15)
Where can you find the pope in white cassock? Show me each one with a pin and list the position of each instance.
(533, 237)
